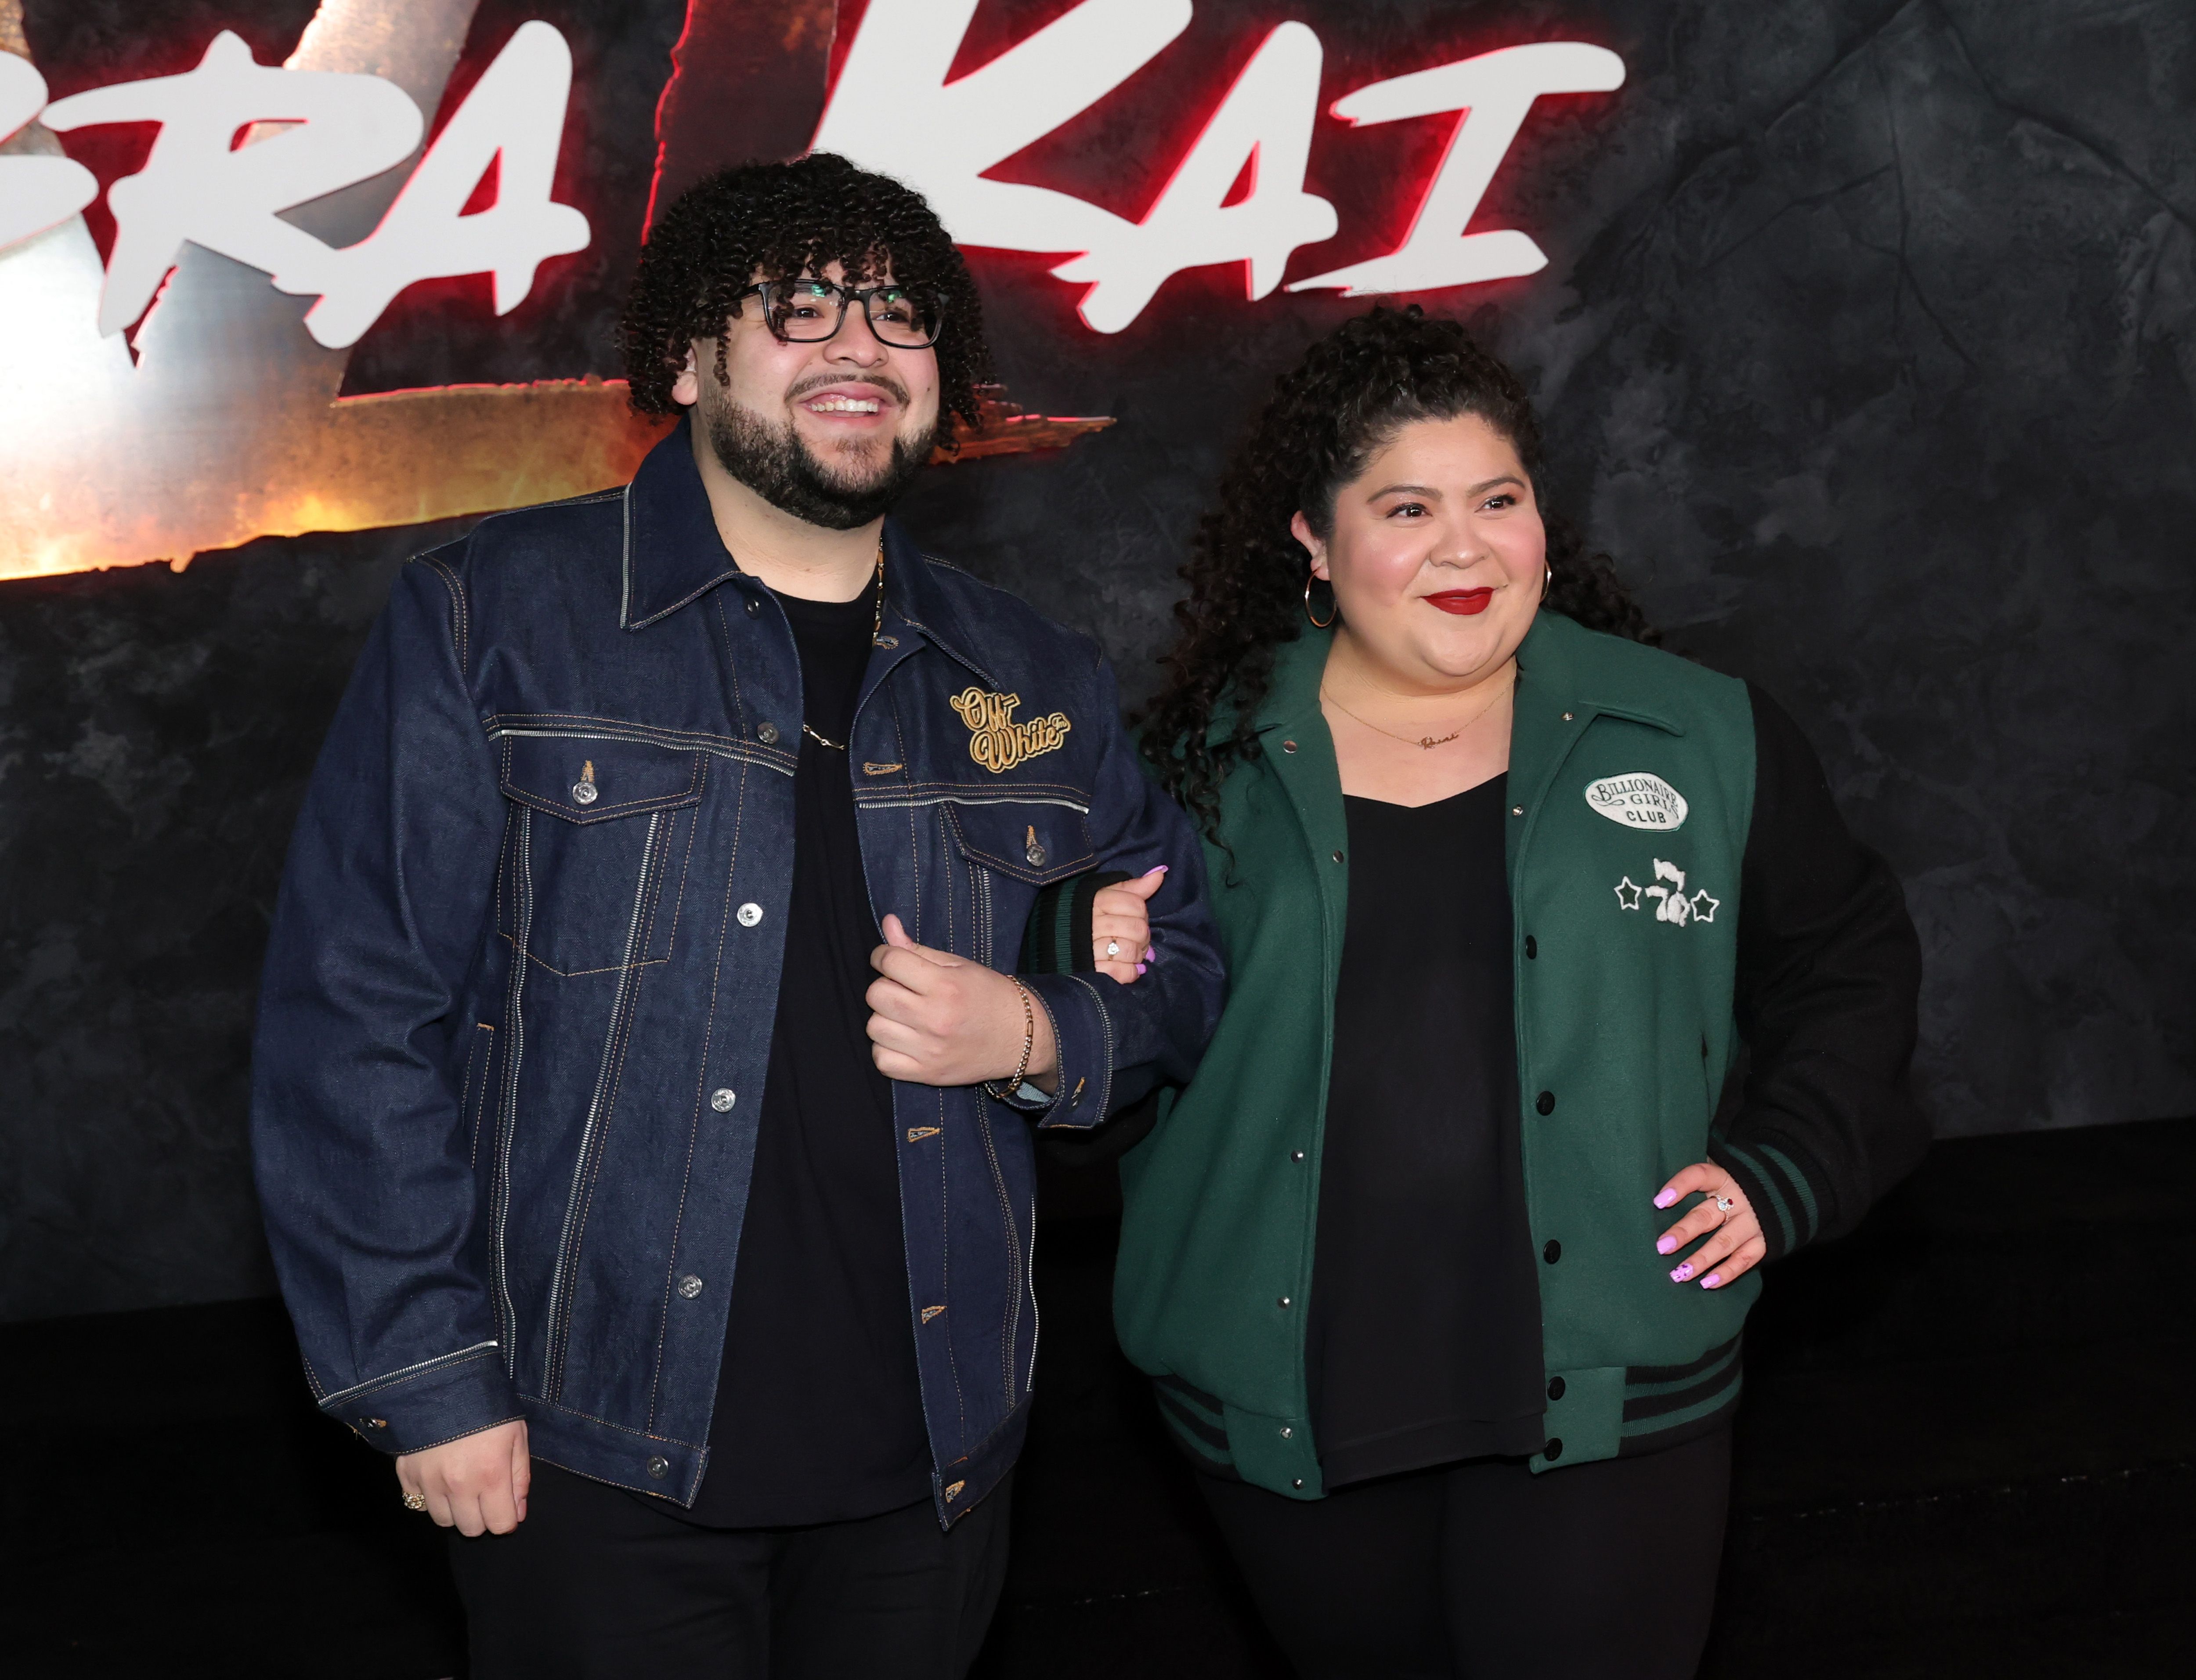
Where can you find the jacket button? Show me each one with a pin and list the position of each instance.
(1288, 746)
(1295, 1155)
(1517, 810)
(1555, 1388)
(1337, 857)
(1286, 1432)
(689, 1286)
(1545, 1102)
(1532, 948)
(659, 1468)
(1554, 1449)
(1298, 1482)
(1035, 855)
(722, 1101)
(1283, 1302)
(765, 731)
(754, 608)
(1567, 717)
(1553, 1252)
(375, 1422)
(748, 915)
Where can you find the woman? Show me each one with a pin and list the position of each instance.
(1441, 1260)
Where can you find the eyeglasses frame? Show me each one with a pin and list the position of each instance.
(848, 295)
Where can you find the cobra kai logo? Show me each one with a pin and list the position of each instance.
(281, 210)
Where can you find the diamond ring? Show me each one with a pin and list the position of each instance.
(415, 1502)
(1113, 948)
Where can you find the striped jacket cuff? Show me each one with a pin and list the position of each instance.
(1789, 1191)
(1057, 940)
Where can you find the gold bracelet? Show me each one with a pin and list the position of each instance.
(1029, 1046)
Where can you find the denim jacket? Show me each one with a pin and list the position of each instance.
(518, 998)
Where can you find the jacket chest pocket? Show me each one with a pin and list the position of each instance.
(595, 854)
(1031, 841)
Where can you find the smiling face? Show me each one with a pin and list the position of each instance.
(830, 432)
(1436, 554)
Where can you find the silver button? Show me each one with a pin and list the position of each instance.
(722, 1101)
(689, 1286)
(659, 1468)
(1298, 1482)
(1286, 1432)
(585, 792)
(1567, 717)
(765, 732)
(1288, 746)
(1295, 1155)
(754, 607)
(1035, 855)
(748, 915)
(1337, 857)
(1517, 810)
(1283, 1301)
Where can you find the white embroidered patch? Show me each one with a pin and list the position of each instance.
(1668, 893)
(1638, 801)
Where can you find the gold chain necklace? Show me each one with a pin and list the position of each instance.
(1427, 741)
(877, 634)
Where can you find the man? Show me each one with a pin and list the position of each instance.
(672, 1230)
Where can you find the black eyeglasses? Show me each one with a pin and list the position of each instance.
(810, 311)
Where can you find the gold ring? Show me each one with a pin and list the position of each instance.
(415, 1502)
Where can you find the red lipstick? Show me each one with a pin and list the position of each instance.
(1463, 601)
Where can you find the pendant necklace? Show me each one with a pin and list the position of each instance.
(1426, 742)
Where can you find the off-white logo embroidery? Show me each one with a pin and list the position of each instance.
(1638, 801)
(1668, 893)
(996, 740)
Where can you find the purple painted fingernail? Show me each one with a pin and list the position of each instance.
(1160, 870)
(1667, 1245)
(1712, 1280)
(1140, 967)
(1682, 1273)
(1665, 1199)
(1151, 954)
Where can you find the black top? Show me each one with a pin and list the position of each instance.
(819, 1413)
(1425, 1337)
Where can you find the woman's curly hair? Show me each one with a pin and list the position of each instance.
(778, 221)
(1348, 397)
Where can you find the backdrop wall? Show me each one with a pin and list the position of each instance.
(1865, 346)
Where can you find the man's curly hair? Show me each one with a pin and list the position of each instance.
(1348, 397)
(778, 221)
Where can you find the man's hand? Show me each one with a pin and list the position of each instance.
(939, 1019)
(1119, 917)
(476, 1483)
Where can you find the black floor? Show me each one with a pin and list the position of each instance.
(1968, 1449)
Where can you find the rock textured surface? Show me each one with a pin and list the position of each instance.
(1867, 347)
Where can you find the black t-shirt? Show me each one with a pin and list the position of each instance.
(1424, 1337)
(819, 1410)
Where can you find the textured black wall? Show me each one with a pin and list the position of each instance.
(1866, 348)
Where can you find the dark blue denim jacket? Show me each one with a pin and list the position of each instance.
(518, 999)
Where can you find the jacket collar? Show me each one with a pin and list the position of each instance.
(1563, 661)
(672, 556)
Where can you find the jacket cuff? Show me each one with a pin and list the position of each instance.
(1084, 1033)
(1788, 1189)
(424, 1405)
(1057, 937)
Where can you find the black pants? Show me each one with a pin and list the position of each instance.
(596, 1585)
(1484, 1570)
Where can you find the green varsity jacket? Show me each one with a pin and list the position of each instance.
(1634, 816)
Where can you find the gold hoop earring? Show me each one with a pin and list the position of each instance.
(1318, 624)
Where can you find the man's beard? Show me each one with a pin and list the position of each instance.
(779, 465)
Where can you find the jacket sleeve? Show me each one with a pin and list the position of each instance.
(1116, 1041)
(365, 1178)
(1829, 972)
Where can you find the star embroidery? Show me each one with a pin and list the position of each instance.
(1628, 894)
(1704, 908)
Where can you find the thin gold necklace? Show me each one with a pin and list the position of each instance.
(1427, 741)
(876, 630)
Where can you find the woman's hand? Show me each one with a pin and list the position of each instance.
(1118, 918)
(1736, 1246)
